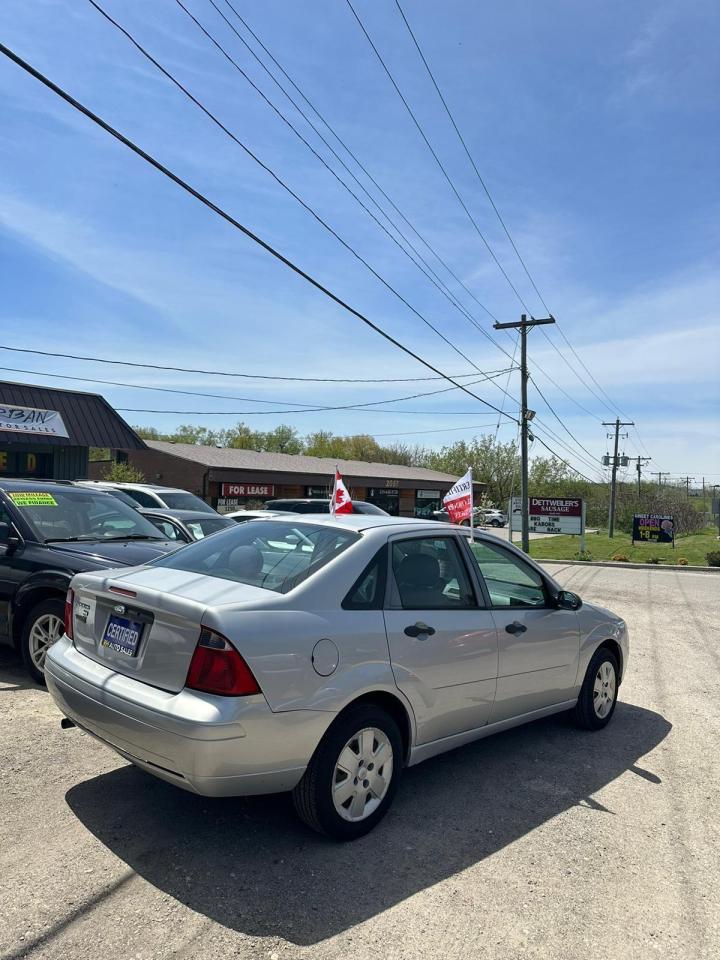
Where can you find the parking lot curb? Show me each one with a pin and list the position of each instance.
(630, 566)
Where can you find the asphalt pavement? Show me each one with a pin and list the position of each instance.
(543, 842)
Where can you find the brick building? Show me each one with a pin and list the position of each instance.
(229, 479)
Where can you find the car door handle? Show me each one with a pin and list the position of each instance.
(420, 630)
(515, 627)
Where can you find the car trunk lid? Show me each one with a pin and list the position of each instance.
(146, 624)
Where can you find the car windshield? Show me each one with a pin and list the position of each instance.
(180, 500)
(275, 555)
(68, 513)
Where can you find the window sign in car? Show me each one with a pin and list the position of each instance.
(73, 514)
(269, 554)
(509, 580)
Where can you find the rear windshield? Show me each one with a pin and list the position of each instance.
(275, 555)
(184, 501)
(203, 527)
(68, 513)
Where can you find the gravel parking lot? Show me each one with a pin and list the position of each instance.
(541, 842)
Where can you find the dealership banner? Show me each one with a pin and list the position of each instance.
(458, 501)
(556, 515)
(47, 423)
(247, 490)
(653, 528)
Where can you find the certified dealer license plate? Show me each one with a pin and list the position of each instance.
(122, 635)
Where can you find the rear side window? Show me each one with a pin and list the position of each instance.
(368, 591)
(144, 499)
(430, 574)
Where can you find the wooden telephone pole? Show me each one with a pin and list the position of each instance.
(525, 416)
(613, 487)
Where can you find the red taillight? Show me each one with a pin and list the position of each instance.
(217, 667)
(69, 600)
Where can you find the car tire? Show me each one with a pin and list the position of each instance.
(495, 523)
(43, 625)
(598, 694)
(331, 798)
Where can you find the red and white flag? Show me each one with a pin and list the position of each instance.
(340, 501)
(458, 500)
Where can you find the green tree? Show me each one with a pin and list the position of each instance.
(124, 473)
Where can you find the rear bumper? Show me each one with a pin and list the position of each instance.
(214, 746)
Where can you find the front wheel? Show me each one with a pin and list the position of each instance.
(44, 625)
(598, 695)
(351, 780)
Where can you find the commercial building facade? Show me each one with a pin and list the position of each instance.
(230, 479)
(46, 433)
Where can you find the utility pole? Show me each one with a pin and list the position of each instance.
(660, 474)
(613, 487)
(688, 481)
(525, 415)
(640, 461)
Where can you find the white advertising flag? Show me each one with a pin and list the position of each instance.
(458, 500)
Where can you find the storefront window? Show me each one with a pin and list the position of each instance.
(318, 493)
(426, 501)
(387, 498)
(16, 463)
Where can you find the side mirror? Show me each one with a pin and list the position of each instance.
(568, 601)
(9, 538)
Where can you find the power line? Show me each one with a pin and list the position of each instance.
(219, 211)
(148, 56)
(436, 157)
(224, 373)
(562, 424)
(558, 457)
(415, 433)
(440, 284)
(229, 133)
(469, 156)
(501, 220)
(350, 153)
(303, 407)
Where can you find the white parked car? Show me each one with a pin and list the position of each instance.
(322, 655)
(153, 495)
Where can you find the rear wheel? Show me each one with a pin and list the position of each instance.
(44, 625)
(598, 695)
(351, 780)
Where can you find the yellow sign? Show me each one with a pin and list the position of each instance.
(33, 499)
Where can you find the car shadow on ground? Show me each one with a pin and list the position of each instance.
(250, 865)
(13, 675)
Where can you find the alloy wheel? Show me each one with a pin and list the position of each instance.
(362, 774)
(46, 630)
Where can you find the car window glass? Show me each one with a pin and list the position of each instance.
(510, 581)
(168, 529)
(144, 499)
(5, 523)
(68, 513)
(368, 591)
(180, 500)
(430, 574)
(265, 553)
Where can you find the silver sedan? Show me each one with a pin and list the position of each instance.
(323, 655)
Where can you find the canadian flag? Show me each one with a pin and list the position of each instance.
(340, 501)
(459, 499)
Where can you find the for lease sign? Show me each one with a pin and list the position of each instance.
(555, 515)
(248, 490)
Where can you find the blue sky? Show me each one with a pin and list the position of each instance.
(595, 127)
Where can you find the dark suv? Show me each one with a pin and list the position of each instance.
(48, 533)
(309, 505)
